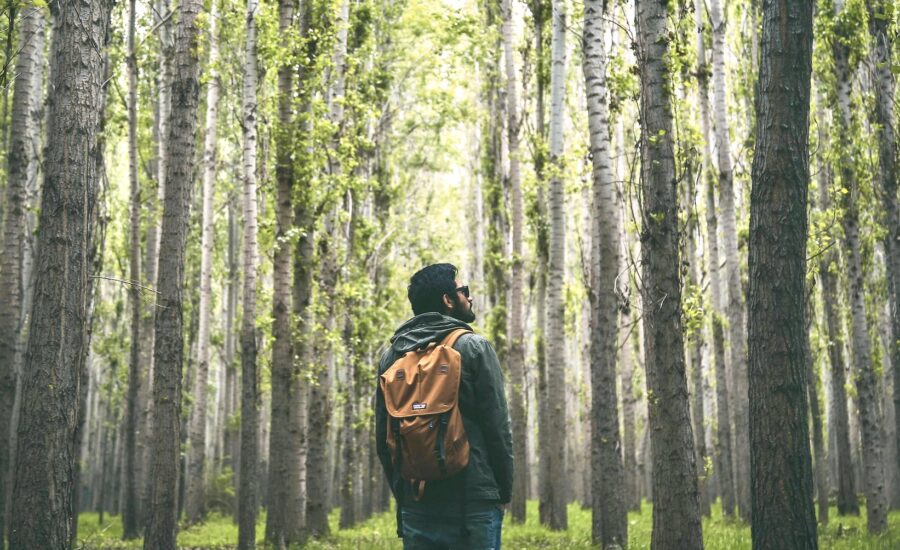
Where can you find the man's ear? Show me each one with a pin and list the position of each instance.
(448, 303)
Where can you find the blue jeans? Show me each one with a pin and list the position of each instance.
(424, 531)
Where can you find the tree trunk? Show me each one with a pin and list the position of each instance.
(735, 305)
(160, 161)
(516, 294)
(829, 267)
(247, 491)
(196, 471)
(286, 518)
(821, 467)
(879, 23)
(780, 463)
(25, 128)
(556, 338)
(45, 477)
(169, 337)
(676, 510)
(609, 525)
(869, 417)
(129, 517)
(723, 454)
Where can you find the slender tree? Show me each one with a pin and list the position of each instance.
(781, 466)
(609, 526)
(248, 491)
(676, 499)
(881, 16)
(516, 298)
(829, 265)
(45, 476)
(866, 384)
(130, 508)
(286, 517)
(734, 289)
(196, 470)
(21, 158)
(556, 381)
(169, 338)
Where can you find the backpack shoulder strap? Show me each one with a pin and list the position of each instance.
(451, 338)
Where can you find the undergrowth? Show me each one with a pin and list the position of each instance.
(379, 533)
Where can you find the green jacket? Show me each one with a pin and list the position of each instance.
(482, 403)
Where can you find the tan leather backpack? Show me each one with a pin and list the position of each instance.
(425, 432)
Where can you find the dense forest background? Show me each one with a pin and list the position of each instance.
(678, 219)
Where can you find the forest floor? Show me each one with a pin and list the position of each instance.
(379, 532)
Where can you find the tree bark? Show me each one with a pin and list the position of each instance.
(247, 491)
(169, 337)
(286, 517)
(25, 125)
(821, 467)
(723, 454)
(780, 463)
(829, 266)
(609, 525)
(676, 510)
(196, 470)
(866, 391)
(129, 517)
(556, 338)
(516, 294)
(737, 333)
(45, 477)
(879, 25)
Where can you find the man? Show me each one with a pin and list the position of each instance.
(464, 511)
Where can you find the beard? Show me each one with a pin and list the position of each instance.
(461, 312)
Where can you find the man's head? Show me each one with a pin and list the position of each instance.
(435, 289)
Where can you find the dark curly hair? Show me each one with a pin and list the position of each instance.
(428, 286)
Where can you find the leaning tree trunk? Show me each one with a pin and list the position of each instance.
(248, 490)
(780, 463)
(676, 499)
(130, 525)
(196, 469)
(609, 525)
(735, 305)
(169, 337)
(286, 508)
(45, 478)
(556, 338)
(516, 291)
(879, 24)
(829, 267)
(24, 133)
(866, 390)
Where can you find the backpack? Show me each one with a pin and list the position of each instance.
(425, 433)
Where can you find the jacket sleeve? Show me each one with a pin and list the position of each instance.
(494, 414)
(384, 454)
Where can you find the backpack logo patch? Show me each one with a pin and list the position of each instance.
(443, 369)
(419, 406)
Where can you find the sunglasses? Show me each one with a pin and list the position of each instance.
(464, 289)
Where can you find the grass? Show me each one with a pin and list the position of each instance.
(379, 533)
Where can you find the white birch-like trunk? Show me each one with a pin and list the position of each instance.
(556, 349)
(22, 159)
(869, 417)
(516, 294)
(196, 464)
(250, 440)
(609, 524)
(735, 306)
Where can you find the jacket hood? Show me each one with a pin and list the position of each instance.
(423, 329)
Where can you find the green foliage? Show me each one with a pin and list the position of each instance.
(379, 532)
